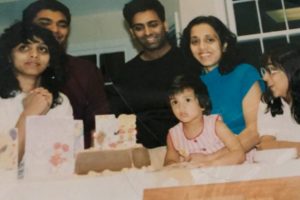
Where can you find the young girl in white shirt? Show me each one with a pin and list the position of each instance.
(30, 77)
(279, 111)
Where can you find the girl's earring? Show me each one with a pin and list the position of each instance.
(225, 47)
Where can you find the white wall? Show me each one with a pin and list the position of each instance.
(188, 9)
(171, 6)
(104, 31)
(93, 28)
(100, 32)
(107, 32)
(10, 11)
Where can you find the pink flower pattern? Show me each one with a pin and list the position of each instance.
(57, 157)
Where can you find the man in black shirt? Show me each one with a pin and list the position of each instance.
(142, 83)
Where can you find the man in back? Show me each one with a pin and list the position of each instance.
(142, 83)
(84, 84)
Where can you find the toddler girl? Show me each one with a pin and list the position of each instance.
(198, 137)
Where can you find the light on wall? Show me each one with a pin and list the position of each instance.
(292, 14)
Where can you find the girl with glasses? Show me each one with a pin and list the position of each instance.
(279, 111)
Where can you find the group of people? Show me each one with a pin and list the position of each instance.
(208, 51)
(200, 100)
(78, 79)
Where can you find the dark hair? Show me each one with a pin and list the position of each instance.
(295, 94)
(51, 78)
(135, 6)
(230, 57)
(287, 59)
(30, 12)
(182, 82)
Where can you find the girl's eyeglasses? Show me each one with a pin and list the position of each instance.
(270, 71)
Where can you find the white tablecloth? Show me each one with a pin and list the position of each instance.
(130, 185)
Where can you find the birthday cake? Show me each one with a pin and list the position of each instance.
(115, 146)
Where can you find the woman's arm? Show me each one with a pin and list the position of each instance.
(270, 142)
(37, 102)
(172, 156)
(249, 136)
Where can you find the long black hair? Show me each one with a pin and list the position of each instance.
(287, 59)
(51, 78)
(230, 56)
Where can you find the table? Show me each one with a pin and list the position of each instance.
(132, 183)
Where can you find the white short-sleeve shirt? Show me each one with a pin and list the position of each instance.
(283, 127)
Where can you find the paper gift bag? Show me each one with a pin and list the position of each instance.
(51, 145)
(115, 133)
(9, 154)
(78, 136)
(106, 131)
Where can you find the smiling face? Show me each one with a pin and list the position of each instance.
(186, 107)
(205, 45)
(30, 59)
(276, 80)
(54, 21)
(149, 30)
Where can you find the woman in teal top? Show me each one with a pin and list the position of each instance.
(233, 87)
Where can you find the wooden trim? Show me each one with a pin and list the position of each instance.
(270, 189)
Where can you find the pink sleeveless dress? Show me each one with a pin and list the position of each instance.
(206, 143)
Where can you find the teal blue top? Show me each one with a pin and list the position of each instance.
(228, 91)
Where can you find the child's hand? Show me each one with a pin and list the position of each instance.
(179, 165)
(187, 158)
(198, 157)
(200, 160)
(201, 164)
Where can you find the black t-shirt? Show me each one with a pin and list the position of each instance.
(141, 88)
